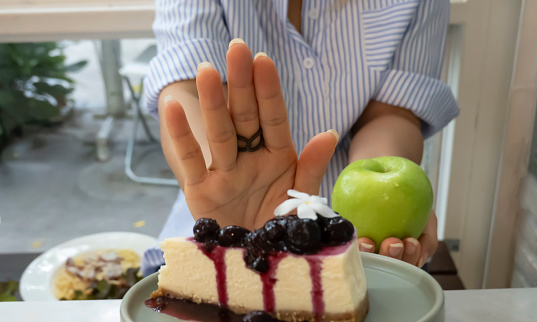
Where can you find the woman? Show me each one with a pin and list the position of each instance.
(366, 69)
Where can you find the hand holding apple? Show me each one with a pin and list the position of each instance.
(384, 197)
(410, 250)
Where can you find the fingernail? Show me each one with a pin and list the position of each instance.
(423, 259)
(235, 41)
(205, 64)
(411, 246)
(259, 54)
(168, 98)
(334, 133)
(395, 249)
(366, 247)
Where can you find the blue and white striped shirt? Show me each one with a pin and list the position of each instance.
(349, 52)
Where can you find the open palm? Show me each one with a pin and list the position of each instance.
(244, 188)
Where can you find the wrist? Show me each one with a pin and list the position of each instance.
(385, 130)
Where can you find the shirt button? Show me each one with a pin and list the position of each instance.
(314, 13)
(308, 63)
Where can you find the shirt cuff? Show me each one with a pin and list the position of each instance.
(428, 98)
(179, 62)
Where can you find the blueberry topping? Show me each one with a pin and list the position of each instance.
(337, 231)
(206, 230)
(209, 246)
(258, 316)
(261, 264)
(280, 234)
(257, 242)
(275, 229)
(256, 262)
(322, 222)
(304, 236)
(292, 218)
(249, 258)
(232, 236)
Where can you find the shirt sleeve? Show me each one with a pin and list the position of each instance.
(188, 32)
(412, 80)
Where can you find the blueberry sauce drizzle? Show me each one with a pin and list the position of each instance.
(269, 279)
(218, 256)
(317, 300)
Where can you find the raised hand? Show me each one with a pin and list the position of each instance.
(243, 188)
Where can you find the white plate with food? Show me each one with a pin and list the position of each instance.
(80, 262)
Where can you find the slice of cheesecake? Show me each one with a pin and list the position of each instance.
(326, 286)
(295, 268)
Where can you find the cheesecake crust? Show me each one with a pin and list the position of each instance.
(358, 315)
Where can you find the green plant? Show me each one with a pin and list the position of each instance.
(8, 290)
(34, 86)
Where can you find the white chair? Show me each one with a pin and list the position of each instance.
(134, 73)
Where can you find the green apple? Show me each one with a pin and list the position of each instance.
(384, 197)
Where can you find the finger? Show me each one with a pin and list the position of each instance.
(428, 240)
(272, 111)
(186, 147)
(241, 93)
(313, 162)
(221, 134)
(392, 247)
(366, 245)
(412, 250)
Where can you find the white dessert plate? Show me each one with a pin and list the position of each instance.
(37, 280)
(397, 292)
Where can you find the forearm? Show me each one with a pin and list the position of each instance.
(385, 130)
(185, 92)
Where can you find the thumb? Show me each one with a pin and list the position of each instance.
(314, 160)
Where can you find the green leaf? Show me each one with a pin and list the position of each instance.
(12, 286)
(103, 289)
(131, 276)
(8, 74)
(6, 297)
(42, 110)
(79, 295)
(76, 66)
(56, 91)
(52, 74)
(9, 123)
(121, 293)
(14, 107)
(6, 97)
(8, 290)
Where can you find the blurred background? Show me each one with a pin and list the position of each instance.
(79, 154)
